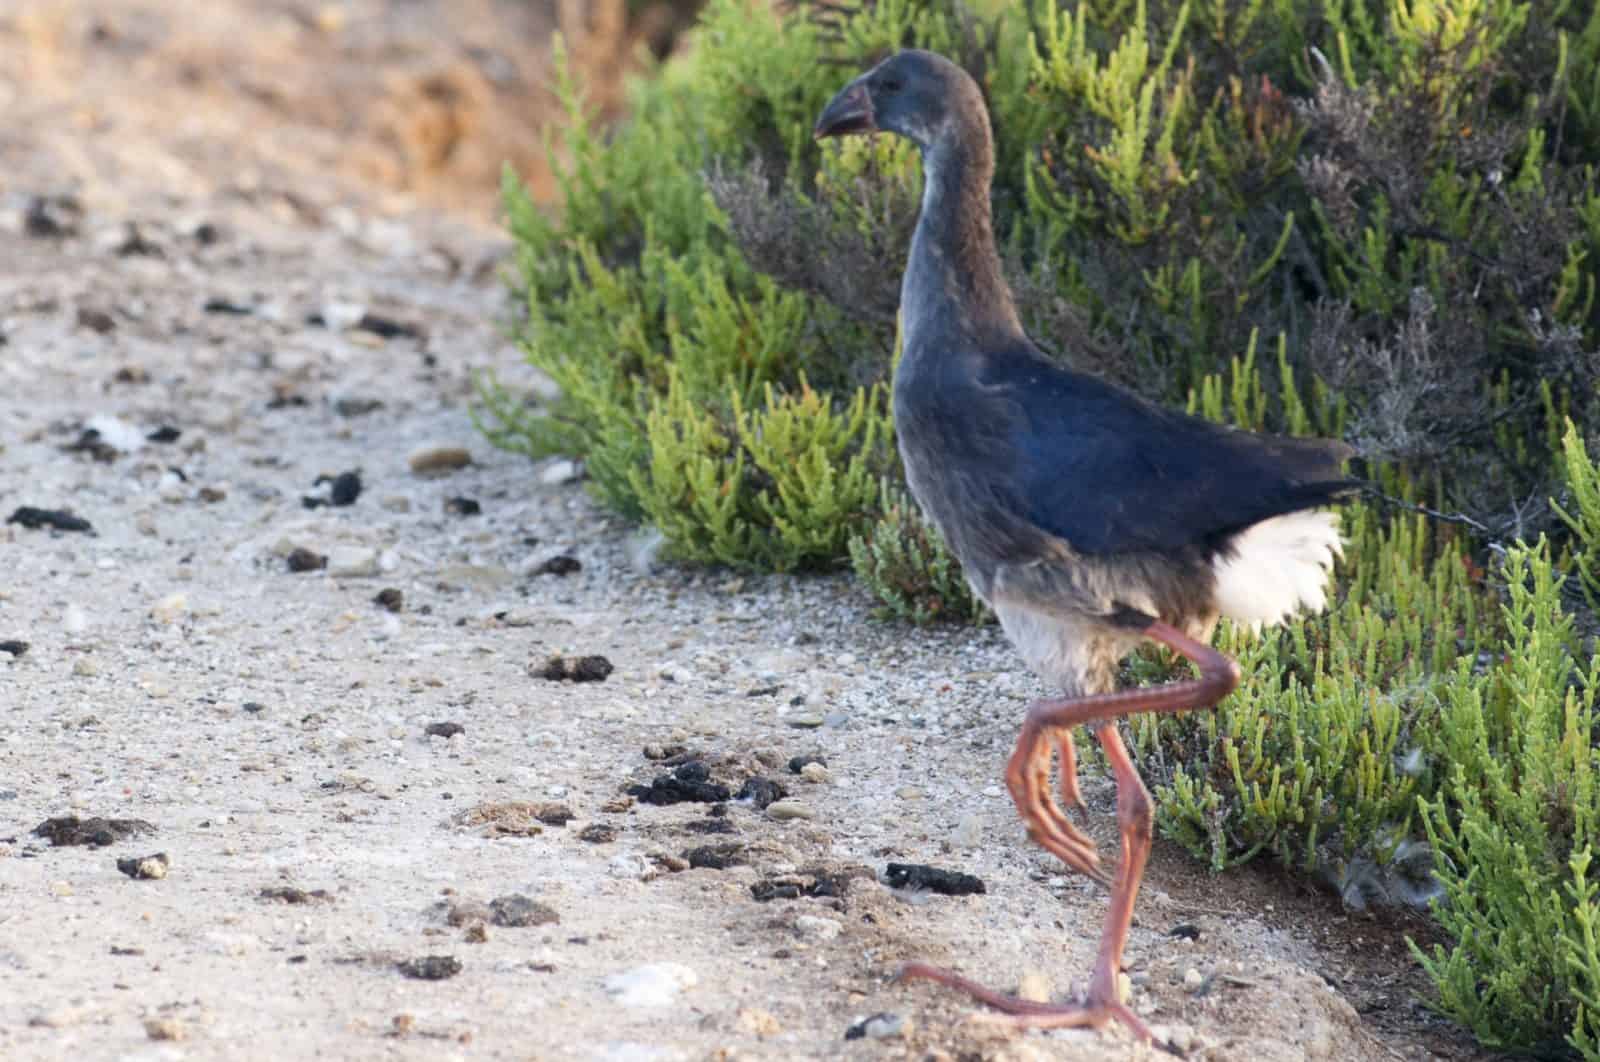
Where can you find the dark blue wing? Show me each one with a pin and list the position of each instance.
(1111, 473)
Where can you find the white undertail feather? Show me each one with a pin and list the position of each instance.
(1279, 567)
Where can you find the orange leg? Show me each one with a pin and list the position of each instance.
(1029, 787)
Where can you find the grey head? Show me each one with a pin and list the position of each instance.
(919, 95)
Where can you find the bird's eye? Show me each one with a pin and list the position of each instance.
(891, 84)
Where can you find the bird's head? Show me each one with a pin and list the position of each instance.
(912, 93)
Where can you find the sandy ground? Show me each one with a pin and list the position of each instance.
(171, 267)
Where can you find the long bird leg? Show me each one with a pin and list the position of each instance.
(1103, 1003)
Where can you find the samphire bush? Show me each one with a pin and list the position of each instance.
(1368, 218)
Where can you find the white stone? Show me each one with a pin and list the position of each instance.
(655, 984)
(815, 927)
(352, 561)
(559, 472)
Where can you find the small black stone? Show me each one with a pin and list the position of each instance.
(221, 305)
(560, 564)
(54, 519)
(291, 895)
(1185, 931)
(68, 830)
(693, 771)
(346, 488)
(761, 791)
(145, 868)
(518, 912)
(667, 789)
(797, 763)
(304, 560)
(390, 598)
(13, 646)
(462, 507)
(164, 434)
(445, 730)
(716, 856)
(431, 967)
(934, 879)
(388, 327)
(590, 669)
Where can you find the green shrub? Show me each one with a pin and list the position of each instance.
(1515, 820)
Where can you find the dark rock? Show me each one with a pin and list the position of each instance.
(582, 669)
(291, 895)
(761, 792)
(388, 327)
(713, 824)
(96, 320)
(462, 507)
(145, 868)
(518, 912)
(430, 967)
(164, 434)
(96, 833)
(797, 763)
(934, 879)
(134, 244)
(598, 833)
(1185, 931)
(553, 814)
(343, 489)
(716, 856)
(304, 560)
(560, 564)
(669, 789)
(692, 771)
(815, 882)
(52, 216)
(227, 306)
(253, 707)
(89, 442)
(390, 598)
(13, 646)
(444, 730)
(54, 519)
(356, 407)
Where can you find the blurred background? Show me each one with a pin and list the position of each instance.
(420, 101)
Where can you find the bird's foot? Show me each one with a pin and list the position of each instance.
(1094, 1012)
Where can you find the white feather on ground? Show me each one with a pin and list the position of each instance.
(1278, 567)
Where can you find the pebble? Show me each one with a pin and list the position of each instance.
(655, 984)
(969, 832)
(753, 1021)
(165, 1029)
(1193, 979)
(676, 673)
(1035, 985)
(814, 772)
(170, 608)
(352, 561)
(790, 809)
(145, 868)
(908, 792)
(438, 458)
(632, 866)
(880, 1027)
(559, 472)
(815, 927)
(806, 721)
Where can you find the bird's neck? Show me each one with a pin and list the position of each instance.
(954, 289)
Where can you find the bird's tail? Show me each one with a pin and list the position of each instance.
(1277, 567)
